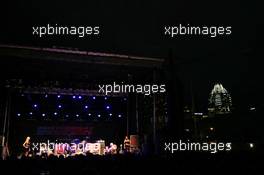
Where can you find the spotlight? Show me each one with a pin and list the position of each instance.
(94, 97)
(89, 114)
(74, 97)
(110, 114)
(30, 113)
(77, 115)
(18, 114)
(80, 97)
(66, 115)
(98, 115)
(59, 106)
(105, 98)
(43, 115)
(55, 113)
(46, 95)
(86, 107)
(58, 96)
(252, 108)
(35, 105)
(107, 107)
(119, 115)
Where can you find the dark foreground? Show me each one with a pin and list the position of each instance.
(180, 163)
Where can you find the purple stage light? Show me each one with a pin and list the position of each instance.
(86, 107)
(105, 98)
(80, 97)
(58, 96)
(74, 97)
(94, 97)
(107, 107)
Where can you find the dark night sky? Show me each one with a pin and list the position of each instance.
(136, 28)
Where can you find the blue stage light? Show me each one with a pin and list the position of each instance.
(59, 106)
(107, 107)
(105, 98)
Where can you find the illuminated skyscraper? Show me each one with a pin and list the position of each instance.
(220, 101)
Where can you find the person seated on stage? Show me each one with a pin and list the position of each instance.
(127, 144)
(67, 150)
(60, 148)
(50, 152)
(113, 148)
(106, 150)
(79, 151)
(43, 151)
(26, 146)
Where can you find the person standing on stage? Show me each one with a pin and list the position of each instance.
(26, 146)
(126, 144)
(5, 152)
